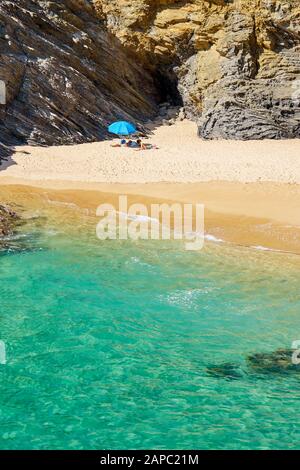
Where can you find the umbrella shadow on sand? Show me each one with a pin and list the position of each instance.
(6, 154)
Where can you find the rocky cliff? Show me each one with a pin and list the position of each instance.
(235, 63)
(73, 66)
(67, 77)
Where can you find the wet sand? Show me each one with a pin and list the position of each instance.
(265, 216)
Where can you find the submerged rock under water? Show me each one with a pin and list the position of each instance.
(270, 363)
(12, 238)
(16, 244)
(276, 362)
(226, 370)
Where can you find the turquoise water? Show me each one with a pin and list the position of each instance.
(108, 344)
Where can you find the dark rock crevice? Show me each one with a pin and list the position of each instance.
(166, 82)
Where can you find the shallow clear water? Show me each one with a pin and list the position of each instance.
(108, 344)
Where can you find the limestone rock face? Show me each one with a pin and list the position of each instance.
(235, 63)
(67, 77)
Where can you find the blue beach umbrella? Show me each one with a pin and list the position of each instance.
(122, 128)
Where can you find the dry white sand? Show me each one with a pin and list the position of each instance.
(182, 157)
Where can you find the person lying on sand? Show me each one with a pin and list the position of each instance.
(134, 144)
(143, 146)
(122, 143)
(138, 145)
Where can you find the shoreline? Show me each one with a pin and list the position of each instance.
(250, 189)
(259, 215)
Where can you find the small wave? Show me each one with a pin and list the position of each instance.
(136, 260)
(188, 235)
(18, 249)
(13, 237)
(32, 216)
(188, 298)
(70, 205)
(212, 238)
(52, 232)
(66, 204)
(141, 218)
(264, 248)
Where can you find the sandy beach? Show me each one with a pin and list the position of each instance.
(251, 190)
(182, 157)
